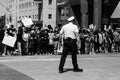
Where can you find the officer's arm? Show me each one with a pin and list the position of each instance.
(60, 35)
(77, 37)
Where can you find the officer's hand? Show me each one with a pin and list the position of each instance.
(79, 45)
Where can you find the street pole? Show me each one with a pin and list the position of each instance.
(97, 14)
(84, 15)
(39, 11)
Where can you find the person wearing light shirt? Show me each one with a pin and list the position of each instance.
(70, 40)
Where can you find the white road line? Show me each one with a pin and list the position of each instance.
(53, 59)
(12, 60)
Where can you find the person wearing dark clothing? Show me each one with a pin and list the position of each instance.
(38, 42)
(35, 43)
(51, 43)
(32, 43)
(11, 31)
(44, 40)
(82, 38)
(19, 34)
(1, 38)
(110, 35)
(20, 39)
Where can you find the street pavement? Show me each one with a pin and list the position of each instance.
(45, 67)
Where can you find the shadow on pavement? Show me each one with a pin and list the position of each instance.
(68, 69)
(7, 73)
(71, 69)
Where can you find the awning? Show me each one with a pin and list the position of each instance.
(62, 4)
(116, 13)
(74, 2)
(38, 23)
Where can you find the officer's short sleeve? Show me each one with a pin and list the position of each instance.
(61, 31)
(76, 29)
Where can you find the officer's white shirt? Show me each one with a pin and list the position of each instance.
(69, 30)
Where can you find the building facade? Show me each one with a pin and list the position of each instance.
(87, 12)
(11, 12)
(63, 12)
(49, 13)
(19, 9)
(2, 21)
(56, 12)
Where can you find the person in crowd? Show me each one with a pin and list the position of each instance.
(87, 42)
(25, 37)
(51, 42)
(11, 31)
(31, 43)
(104, 42)
(71, 38)
(92, 41)
(56, 39)
(1, 39)
(82, 39)
(116, 39)
(38, 41)
(36, 31)
(108, 42)
(20, 38)
(110, 35)
(44, 40)
(100, 40)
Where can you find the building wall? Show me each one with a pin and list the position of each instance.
(97, 14)
(63, 12)
(19, 9)
(49, 13)
(10, 15)
(28, 8)
(2, 21)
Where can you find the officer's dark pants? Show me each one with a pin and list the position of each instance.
(69, 46)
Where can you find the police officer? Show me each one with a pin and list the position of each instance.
(70, 41)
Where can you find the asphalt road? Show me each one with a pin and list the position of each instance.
(96, 67)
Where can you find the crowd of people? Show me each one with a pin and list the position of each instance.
(30, 40)
(38, 41)
(96, 41)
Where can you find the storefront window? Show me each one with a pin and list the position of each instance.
(50, 2)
